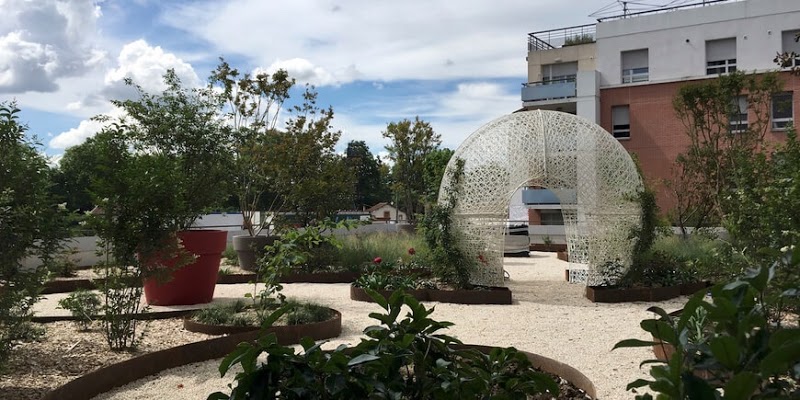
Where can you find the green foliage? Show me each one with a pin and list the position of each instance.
(433, 168)
(449, 262)
(160, 168)
(83, 305)
(76, 169)
(726, 345)
(294, 250)
(28, 227)
(579, 39)
(121, 291)
(762, 211)
(400, 358)
(230, 256)
(702, 257)
(306, 313)
(369, 188)
(704, 172)
(315, 181)
(410, 144)
(359, 250)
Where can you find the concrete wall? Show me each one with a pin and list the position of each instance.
(676, 39)
(584, 54)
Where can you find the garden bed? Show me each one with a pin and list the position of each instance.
(572, 383)
(317, 331)
(611, 294)
(491, 295)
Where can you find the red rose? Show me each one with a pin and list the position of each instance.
(411, 251)
(377, 260)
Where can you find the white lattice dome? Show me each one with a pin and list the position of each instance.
(591, 173)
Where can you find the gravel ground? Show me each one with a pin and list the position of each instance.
(549, 317)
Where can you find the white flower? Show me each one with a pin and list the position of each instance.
(62, 206)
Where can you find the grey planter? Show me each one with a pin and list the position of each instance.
(250, 248)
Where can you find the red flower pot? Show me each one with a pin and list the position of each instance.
(193, 283)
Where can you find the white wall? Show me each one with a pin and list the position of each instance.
(756, 24)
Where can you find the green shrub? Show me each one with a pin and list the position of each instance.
(230, 256)
(83, 305)
(306, 313)
(400, 359)
(734, 343)
(30, 225)
(701, 258)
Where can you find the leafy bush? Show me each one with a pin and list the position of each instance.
(401, 358)
(579, 39)
(734, 344)
(701, 257)
(83, 305)
(450, 262)
(29, 222)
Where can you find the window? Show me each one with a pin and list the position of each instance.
(789, 45)
(635, 66)
(782, 113)
(559, 73)
(620, 122)
(720, 56)
(551, 217)
(738, 116)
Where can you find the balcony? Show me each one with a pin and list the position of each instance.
(549, 90)
(561, 37)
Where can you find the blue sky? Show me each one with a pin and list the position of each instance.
(457, 65)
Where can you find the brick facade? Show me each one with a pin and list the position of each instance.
(657, 135)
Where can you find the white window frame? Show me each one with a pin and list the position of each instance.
(621, 131)
(638, 63)
(781, 123)
(738, 121)
(634, 75)
(722, 60)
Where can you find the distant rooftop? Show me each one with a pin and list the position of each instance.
(580, 34)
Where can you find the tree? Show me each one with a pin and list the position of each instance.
(73, 177)
(714, 114)
(411, 142)
(28, 217)
(368, 188)
(316, 180)
(252, 106)
(433, 170)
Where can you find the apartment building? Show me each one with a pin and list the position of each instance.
(624, 71)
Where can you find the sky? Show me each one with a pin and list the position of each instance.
(455, 64)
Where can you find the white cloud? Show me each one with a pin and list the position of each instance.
(137, 60)
(414, 39)
(44, 41)
(304, 71)
(146, 66)
(77, 135)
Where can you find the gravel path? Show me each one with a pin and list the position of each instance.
(549, 317)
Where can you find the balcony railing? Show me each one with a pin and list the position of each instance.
(549, 90)
(561, 37)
